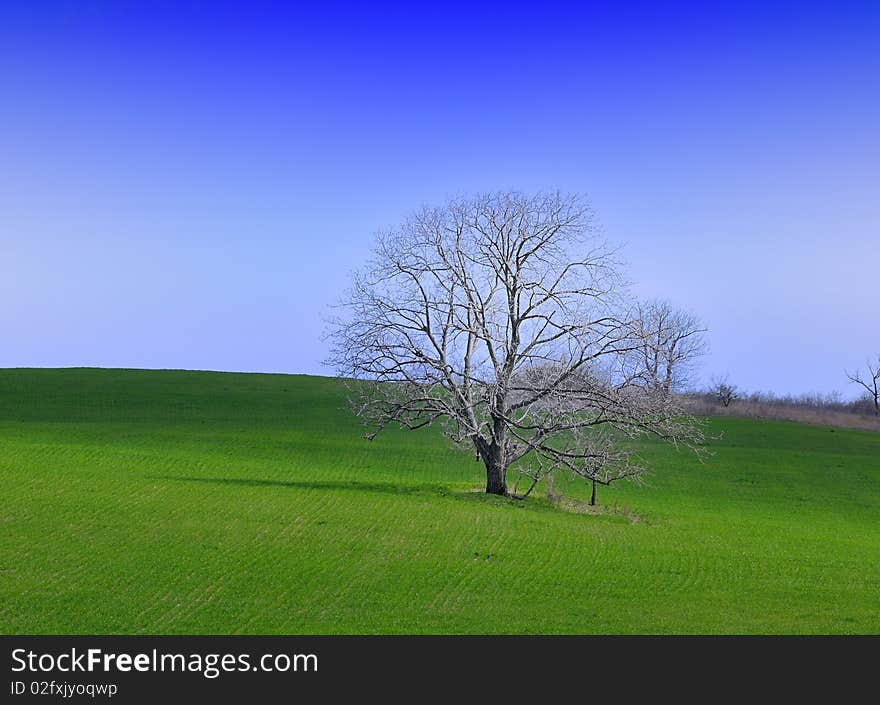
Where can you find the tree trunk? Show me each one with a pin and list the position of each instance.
(496, 460)
(593, 496)
(495, 480)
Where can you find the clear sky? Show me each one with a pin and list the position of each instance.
(188, 185)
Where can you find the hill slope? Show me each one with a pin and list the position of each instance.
(194, 502)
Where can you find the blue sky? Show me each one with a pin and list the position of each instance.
(189, 184)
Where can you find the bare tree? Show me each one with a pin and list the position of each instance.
(723, 391)
(670, 343)
(870, 382)
(500, 317)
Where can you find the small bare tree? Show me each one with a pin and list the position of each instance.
(870, 382)
(501, 317)
(671, 341)
(723, 391)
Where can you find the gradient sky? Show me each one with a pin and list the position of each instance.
(188, 185)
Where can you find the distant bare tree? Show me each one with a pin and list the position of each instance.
(670, 343)
(870, 382)
(500, 317)
(723, 391)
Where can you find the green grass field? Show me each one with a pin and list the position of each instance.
(193, 502)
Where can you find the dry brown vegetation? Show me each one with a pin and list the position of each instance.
(802, 411)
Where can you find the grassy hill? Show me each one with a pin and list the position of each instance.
(195, 502)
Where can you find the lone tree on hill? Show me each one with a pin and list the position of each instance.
(723, 391)
(871, 382)
(671, 341)
(503, 318)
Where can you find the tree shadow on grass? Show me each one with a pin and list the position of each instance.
(473, 494)
(378, 487)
